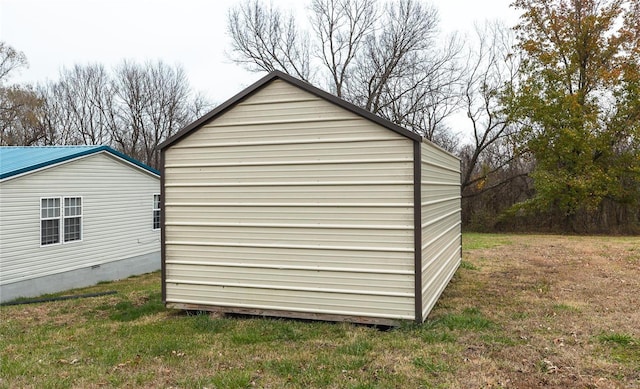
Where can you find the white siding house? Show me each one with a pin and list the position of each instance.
(72, 216)
(288, 201)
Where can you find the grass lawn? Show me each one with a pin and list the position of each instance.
(522, 311)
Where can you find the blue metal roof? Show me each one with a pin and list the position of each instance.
(16, 160)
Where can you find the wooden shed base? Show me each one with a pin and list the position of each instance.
(287, 314)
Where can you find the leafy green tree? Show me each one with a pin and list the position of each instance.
(580, 107)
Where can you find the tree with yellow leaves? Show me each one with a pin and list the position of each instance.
(579, 105)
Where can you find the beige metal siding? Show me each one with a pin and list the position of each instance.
(117, 203)
(441, 222)
(288, 202)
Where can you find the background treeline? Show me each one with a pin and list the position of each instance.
(132, 107)
(545, 115)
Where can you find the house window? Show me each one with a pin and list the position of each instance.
(60, 220)
(72, 219)
(156, 211)
(49, 221)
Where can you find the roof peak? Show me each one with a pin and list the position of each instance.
(304, 85)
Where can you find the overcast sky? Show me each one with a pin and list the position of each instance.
(60, 33)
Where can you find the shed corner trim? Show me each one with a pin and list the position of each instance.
(417, 229)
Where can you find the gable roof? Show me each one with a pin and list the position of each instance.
(17, 160)
(300, 84)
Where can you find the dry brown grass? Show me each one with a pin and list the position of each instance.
(522, 312)
(557, 298)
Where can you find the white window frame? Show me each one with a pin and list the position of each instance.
(58, 218)
(65, 217)
(61, 219)
(154, 210)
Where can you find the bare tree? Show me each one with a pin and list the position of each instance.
(167, 110)
(422, 91)
(404, 76)
(153, 101)
(53, 117)
(384, 59)
(18, 104)
(83, 98)
(341, 27)
(127, 120)
(493, 70)
(264, 39)
(197, 106)
(403, 38)
(132, 108)
(10, 61)
(494, 168)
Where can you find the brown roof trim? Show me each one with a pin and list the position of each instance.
(300, 84)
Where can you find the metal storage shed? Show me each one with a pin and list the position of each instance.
(288, 201)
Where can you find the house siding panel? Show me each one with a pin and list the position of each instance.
(289, 202)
